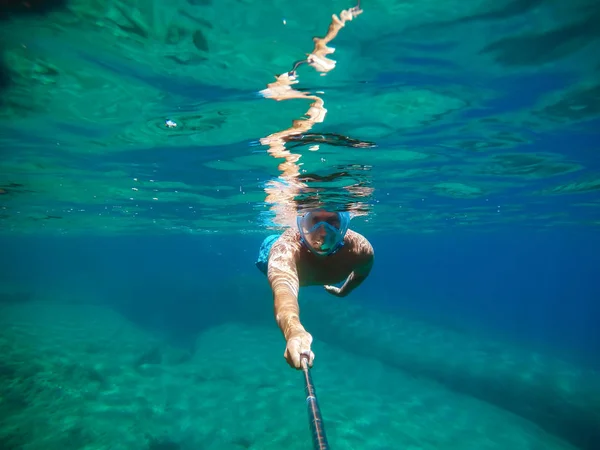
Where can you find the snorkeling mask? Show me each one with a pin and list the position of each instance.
(323, 231)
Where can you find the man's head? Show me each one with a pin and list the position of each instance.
(323, 231)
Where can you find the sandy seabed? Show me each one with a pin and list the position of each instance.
(84, 377)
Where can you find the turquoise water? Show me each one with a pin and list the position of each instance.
(149, 147)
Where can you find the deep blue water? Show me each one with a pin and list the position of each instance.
(536, 288)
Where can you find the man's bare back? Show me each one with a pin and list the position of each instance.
(293, 264)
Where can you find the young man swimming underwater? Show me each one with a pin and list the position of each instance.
(322, 251)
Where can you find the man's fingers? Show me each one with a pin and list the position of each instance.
(332, 290)
(296, 354)
(309, 356)
(297, 349)
(292, 359)
(305, 351)
(296, 359)
(311, 359)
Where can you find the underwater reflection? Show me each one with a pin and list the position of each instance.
(293, 191)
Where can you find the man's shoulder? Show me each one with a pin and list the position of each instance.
(358, 244)
(288, 243)
(289, 236)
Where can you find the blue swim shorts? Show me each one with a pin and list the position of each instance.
(263, 254)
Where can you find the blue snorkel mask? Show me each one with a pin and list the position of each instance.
(323, 232)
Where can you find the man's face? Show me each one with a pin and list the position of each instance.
(323, 216)
(322, 230)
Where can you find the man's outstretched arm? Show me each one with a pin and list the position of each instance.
(285, 285)
(283, 278)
